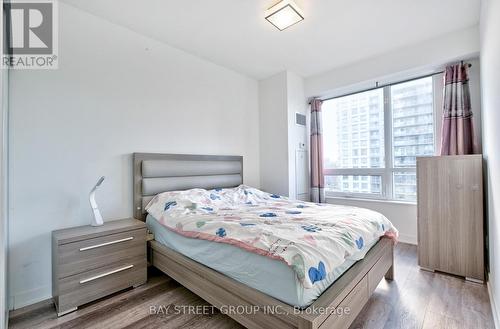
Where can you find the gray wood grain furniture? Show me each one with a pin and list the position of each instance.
(450, 215)
(155, 173)
(92, 262)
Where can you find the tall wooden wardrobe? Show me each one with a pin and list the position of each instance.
(450, 215)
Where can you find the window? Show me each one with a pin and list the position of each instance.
(389, 127)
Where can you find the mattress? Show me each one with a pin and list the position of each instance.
(270, 276)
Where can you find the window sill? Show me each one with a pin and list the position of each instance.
(386, 201)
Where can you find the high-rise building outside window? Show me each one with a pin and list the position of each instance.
(375, 136)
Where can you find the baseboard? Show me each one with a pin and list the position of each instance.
(30, 297)
(496, 316)
(30, 308)
(406, 238)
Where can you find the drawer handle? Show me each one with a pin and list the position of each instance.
(106, 243)
(106, 274)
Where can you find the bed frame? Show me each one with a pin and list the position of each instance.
(336, 308)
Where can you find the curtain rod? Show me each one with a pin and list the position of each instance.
(377, 86)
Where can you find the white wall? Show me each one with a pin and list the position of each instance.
(490, 69)
(4, 238)
(274, 171)
(3, 185)
(281, 96)
(475, 99)
(297, 135)
(115, 92)
(416, 60)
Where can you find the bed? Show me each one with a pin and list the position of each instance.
(278, 305)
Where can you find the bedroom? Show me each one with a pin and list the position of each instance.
(214, 95)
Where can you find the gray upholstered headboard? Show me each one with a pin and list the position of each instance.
(156, 173)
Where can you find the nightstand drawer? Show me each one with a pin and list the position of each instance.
(88, 286)
(80, 256)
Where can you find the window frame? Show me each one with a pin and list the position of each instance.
(388, 171)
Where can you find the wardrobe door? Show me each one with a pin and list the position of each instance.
(454, 247)
(473, 218)
(429, 217)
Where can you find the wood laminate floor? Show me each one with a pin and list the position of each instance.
(415, 299)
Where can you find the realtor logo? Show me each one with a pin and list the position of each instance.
(31, 34)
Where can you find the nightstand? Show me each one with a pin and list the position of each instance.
(92, 262)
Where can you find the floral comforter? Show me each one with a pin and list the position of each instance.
(313, 239)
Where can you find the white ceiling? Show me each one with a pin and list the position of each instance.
(234, 33)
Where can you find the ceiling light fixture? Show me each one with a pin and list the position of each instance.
(284, 14)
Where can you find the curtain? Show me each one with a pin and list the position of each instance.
(457, 130)
(317, 176)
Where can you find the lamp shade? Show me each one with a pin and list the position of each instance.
(284, 14)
